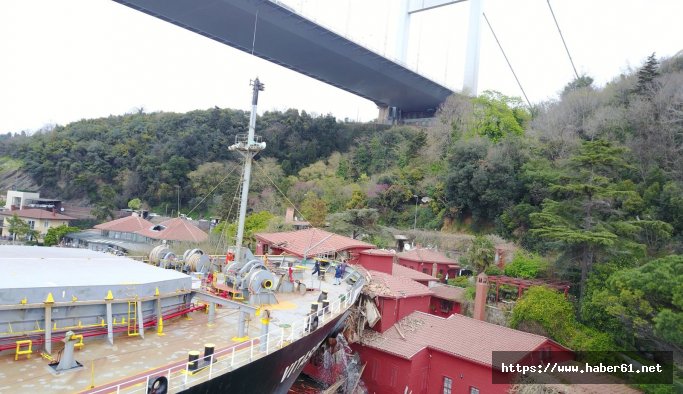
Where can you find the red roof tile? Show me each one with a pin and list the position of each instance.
(128, 224)
(310, 242)
(176, 229)
(379, 252)
(399, 270)
(458, 335)
(385, 285)
(426, 256)
(35, 213)
(450, 293)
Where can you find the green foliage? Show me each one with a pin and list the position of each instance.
(135, 204)
(642, 306)
(460, 281)
(583, 81)
(497, 115)
(483, 179)
(493, 270)
(647, 75)
(314, 209)
(526, 265)
(253, 223)
(55, 234)
(20, 228)
(549, 311)
(480, 254)
(584, 221)
(354, 222)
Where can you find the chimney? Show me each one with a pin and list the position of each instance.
(289, 215)
(53, 212)
(480, 297)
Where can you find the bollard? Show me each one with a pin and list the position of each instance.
(208, 352)
(193, 363)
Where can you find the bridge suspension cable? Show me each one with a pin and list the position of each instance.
(562, 37)
(506, 59)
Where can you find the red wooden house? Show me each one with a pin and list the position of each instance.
(429, 261)
(431, 354)
(397, 297)
(309, 243)
(417, 276)
(446, 300)
(380, 260)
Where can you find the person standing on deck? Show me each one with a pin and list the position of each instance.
(343, 267)
(316, 268)
(338, 272)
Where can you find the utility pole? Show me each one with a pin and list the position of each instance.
(416, 200)
(178, 189)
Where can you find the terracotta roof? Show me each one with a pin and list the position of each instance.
(35, 213)
(451, 293)
(426, 256)
(176, 229)
(405, 272)
(458, 335)
(385, 285)
(128, 224)
(379, 252)
(311, 242)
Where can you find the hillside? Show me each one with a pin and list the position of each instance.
(590, 184)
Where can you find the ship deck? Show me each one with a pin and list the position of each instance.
(124, 366)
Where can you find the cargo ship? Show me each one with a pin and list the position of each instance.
(76, 320)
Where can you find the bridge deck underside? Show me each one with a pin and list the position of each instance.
(286, 38)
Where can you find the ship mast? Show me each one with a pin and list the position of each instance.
(248, 145)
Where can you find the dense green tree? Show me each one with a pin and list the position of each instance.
(253, 223)
(55, 234)
(135, 204)
(584, 222)
(647, 75)
(642, 306)
(526, 265)
(547, 312)
(314, 209)
(354, 222)
(498, 116)
(480, 255)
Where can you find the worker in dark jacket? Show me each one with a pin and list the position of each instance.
(338, 272)
(316, 268)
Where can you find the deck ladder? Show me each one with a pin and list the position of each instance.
(132, 318)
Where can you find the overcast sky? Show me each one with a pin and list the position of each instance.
(64, 60)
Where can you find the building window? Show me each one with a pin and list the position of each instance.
(46, 224)
(474, 390)
(424, 270)
(446, 306)
(32, 224)
(441, 272)
(447, 385)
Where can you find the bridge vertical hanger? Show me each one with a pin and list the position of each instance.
(409, 7)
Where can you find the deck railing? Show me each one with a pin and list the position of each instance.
(225, 360)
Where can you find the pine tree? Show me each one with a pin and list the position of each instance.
(647, 75)
(584, 222)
